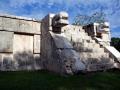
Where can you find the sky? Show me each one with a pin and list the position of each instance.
(39, 8)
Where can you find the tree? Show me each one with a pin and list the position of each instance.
(116, 43)
(99, 16)
(82, 20)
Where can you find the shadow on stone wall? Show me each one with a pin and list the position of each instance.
(7, 64)
(25, 60)
(21, 61)
(79, 47)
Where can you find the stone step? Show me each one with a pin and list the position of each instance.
(95, 60)
(87, 47)
(91, 45)
(84, 36)
(96, 67)
(98, 50)
(81, 35)
(98, 60)
(90, 41)
(79, 38)
(105, 55)
(93, 55)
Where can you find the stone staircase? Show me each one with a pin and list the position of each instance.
(91, 53)
(68, 49)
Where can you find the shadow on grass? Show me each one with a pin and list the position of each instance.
(43, 80)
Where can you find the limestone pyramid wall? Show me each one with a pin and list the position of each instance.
(53, 44)
(19, 43)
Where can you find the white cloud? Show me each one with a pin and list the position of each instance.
(41, 7)
(21, 3)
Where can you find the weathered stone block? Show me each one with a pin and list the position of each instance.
(25, 26)
(18, 25)
(10, 24)
(37, 42)
(7, 62)
(37, 27)
(0, 23)
(6, 41)
(23, 43)
(0, 61)
(37, 63)
(24, 60)
(36, 56)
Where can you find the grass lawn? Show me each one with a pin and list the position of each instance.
(43, 80)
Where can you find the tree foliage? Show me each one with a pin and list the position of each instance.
(116, 43)
(99, 16)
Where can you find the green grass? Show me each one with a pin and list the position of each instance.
(43, 80)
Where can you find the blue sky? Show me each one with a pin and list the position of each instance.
(39, 8)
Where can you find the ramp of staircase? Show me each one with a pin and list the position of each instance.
(113, 51)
